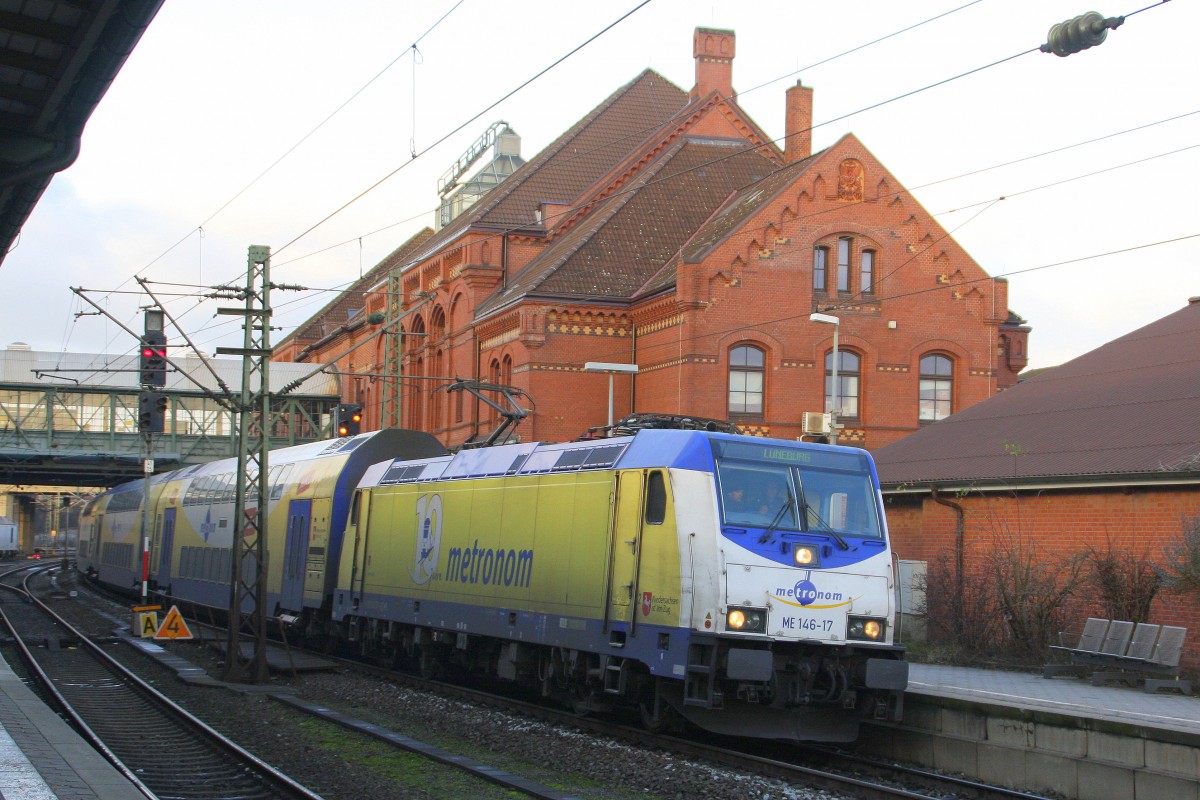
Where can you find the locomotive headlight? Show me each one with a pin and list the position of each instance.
(806, 555)
(746, 620)
(869, 629)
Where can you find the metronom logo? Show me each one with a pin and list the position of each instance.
(488, 566)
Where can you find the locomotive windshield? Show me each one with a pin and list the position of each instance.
(786, 489)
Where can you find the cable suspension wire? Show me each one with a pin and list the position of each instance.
(563, 58)
(305, 137)
(464, 124)
(413, 48)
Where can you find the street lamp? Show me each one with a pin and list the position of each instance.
(611, 369)
(834, 405)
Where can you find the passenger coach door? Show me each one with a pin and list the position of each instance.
(294, 552)
(626, 540)
(166, 545)
(360, 511)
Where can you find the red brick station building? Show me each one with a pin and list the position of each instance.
(666, 230)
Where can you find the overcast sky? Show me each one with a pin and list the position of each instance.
(219, 90)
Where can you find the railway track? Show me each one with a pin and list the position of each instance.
(161, 748)
(833, 771)
(810, 767)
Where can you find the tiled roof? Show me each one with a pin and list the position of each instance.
(626, 239)
(1130, 407)
(740, 208)
(575, 161)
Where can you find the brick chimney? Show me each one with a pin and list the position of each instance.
(713, 50)
(798, 124)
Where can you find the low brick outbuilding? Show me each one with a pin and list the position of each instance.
(1100, 453)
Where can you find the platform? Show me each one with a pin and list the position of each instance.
(43, 758)
(1067, 695)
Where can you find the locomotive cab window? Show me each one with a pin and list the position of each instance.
(758, 495)
(797, 490)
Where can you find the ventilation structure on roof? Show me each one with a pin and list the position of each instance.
(506, 158)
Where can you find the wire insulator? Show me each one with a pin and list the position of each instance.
(1086, 30)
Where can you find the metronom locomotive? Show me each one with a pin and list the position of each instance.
(743, 584)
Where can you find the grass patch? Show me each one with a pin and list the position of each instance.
(415, 774)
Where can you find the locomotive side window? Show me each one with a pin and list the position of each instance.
(656, 499)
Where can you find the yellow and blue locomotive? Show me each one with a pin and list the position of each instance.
(743, 584)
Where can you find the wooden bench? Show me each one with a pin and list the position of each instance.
(1123, 651)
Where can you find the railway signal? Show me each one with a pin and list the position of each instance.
(349, 419)
(152, 412)
(153, 352)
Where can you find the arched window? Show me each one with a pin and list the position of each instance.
(494, 376)
(937, 387)
(834, 265)
(416, 409)
(437, 399)
(746, 380)
(437, 325)
(849, 373)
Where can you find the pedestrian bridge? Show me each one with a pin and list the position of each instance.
(72, 419)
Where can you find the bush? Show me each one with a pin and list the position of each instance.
(1031, 590)
(1125, 584)
(1006, 608)
(1181, 572)
(959, 613)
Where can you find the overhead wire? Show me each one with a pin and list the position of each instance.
(639, 133)
(447, 135)
(844, 302)
(199, 229)
(479, 114)
(464, 124)
(876, 105)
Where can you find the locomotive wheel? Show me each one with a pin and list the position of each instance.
(653, 720)
(657, 717)
(582, 702)
(430, 665)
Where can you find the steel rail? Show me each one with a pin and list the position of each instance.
(269, 778)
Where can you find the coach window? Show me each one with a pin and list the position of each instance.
(937, 387)
(866, 284)
(745, 380)
(820, 265)
(849, 373)
(656, 499)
